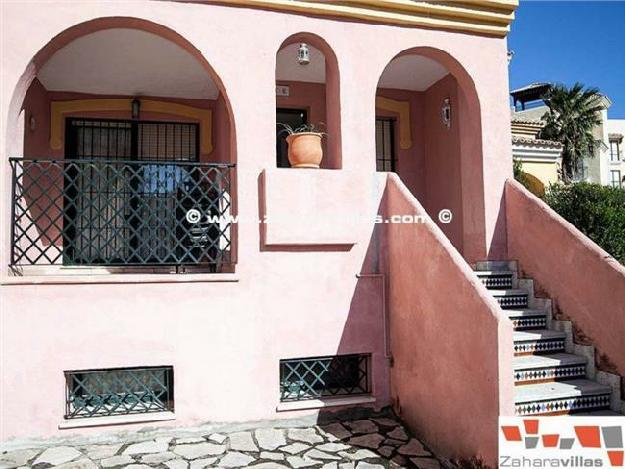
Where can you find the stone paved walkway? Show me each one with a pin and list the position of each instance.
(369, 443)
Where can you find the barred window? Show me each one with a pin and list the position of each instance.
(118, 391)
(615, 178)
(384, 144)
(317, 377)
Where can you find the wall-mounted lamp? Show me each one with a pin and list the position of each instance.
(32, 123)
(303, 54)
(510, 56)
(446, 112)
(136, 108)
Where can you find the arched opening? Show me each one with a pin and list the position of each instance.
(128, 156)
(307, 92)
(428, 131)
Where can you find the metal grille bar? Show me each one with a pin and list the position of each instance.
(313, 378)
(120, 391)
(106, 212)
(384, 144)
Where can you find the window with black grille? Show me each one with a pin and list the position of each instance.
(384, 144)
(121, 200)
(317, 377)
(118, 391)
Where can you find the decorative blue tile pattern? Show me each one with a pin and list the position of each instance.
(496, 281)
(512, 301)
(556, 372)
(539, 346)
(597, 402)
(529, 322)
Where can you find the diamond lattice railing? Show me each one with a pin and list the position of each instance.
(120, 213)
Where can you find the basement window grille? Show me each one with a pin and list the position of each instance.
(118, 391)
(318, 377)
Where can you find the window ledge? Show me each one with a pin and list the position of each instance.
(90, 278)
(323, 403)
(117, 420)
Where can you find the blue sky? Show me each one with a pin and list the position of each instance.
(566, 42)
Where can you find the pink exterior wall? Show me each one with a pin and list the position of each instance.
(225, 338)
(37, 105)
(586, 284)
(451, 344)
(443, 179)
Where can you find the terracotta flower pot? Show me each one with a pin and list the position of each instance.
(305, 150)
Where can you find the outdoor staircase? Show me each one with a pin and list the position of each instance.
(552, 375)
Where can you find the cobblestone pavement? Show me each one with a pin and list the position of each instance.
(370, 443)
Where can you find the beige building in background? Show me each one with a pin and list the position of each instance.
(541, 159)
(616, 163)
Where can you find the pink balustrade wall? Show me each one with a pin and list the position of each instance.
(451, 344)
(586, 284)
(225, 334)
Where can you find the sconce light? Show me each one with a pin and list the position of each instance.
(32, 123)
(303, 54)
(446, 112)
(510, 56)
(136, 108)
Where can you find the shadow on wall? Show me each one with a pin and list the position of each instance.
(448, 342)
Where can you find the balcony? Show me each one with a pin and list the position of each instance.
(169, 215)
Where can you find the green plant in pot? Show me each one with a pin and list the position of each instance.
(304, 142)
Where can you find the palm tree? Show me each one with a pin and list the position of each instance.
(573, 114)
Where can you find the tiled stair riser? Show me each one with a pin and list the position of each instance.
(541, 375)
(498, 282)
(513, 301)
(530, 322)
(538, 346)
(564, 406)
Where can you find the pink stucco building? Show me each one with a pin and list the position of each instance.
(120, 118)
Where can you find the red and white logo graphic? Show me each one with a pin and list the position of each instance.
(561, 441)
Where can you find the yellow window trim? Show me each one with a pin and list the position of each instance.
(59, 109)
(403, 109)
(489, 17)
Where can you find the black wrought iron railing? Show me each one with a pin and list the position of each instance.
(106, 212)
(318, 377)
(119, 391)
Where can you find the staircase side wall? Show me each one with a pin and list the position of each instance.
(451, 344)
(584, 281)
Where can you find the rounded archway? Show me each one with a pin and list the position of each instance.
(307, 92)
(126, 128)
(428, 131)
